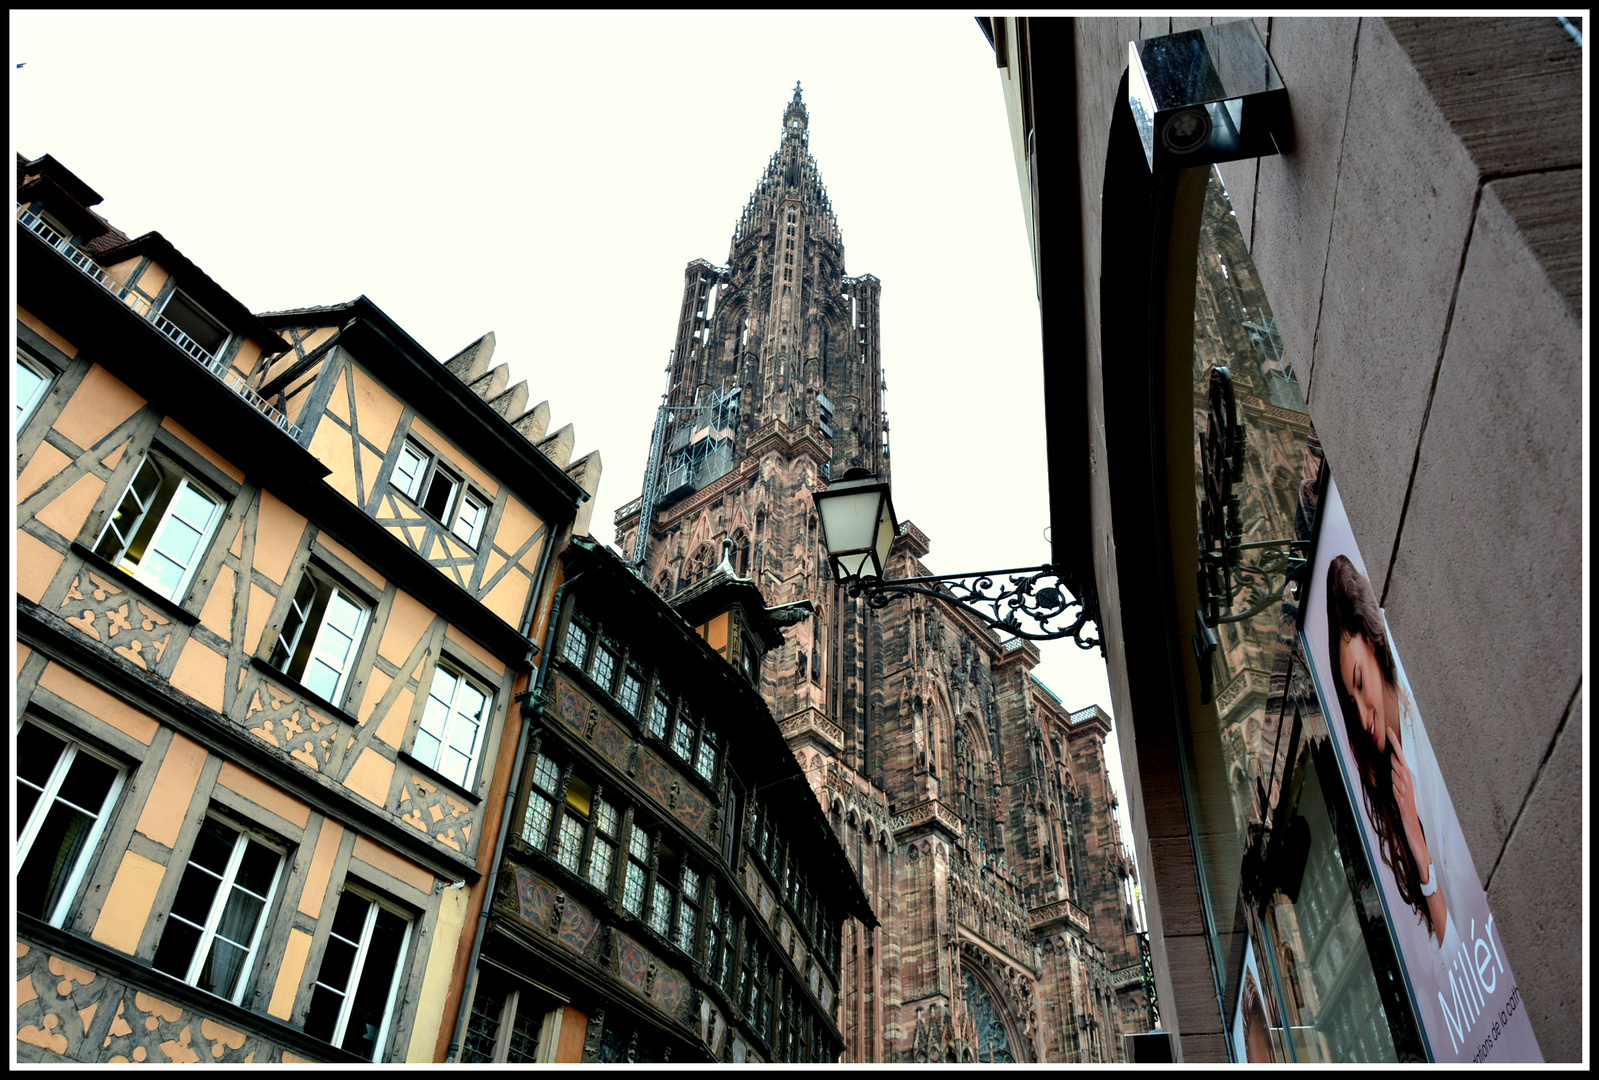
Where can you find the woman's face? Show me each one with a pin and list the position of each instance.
(1363, 679)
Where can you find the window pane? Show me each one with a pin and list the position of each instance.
(408, 471)
(577, 643)
(257, 868)
(536, 822)
(483, 1028)
(683, 737)
(369, 1012)
(571, 843)
(224, 963)
(705, 764)
(324, 1013)
(213, 846)
(30, 388)
(239, 917)
(546, 774)
(600, 860)
(605, 817)
(55, 851)
(524, 1044)
(37, 753)
(661, 907)
(629, 692)
(633, 889)
(440, 495)
(660, 712)
(337, 963)
(178, 942)
(604, 665)
(196, 893)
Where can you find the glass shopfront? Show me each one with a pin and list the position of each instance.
(1304, 959)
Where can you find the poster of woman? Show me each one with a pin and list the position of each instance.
(1252, 1041)
(1465, 992)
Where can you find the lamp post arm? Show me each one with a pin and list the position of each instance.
(1002, 599)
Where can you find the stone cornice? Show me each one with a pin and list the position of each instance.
(1061, 911)
(931, 814)
(811, 722)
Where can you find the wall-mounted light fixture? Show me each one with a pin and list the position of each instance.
(1205, 96)
(858, 529)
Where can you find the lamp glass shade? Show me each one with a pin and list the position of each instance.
(858, 526)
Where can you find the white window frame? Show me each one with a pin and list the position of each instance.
(46, 376)
(325, 633)
(442, 727)
(470, 532)
(141, 571)
(208, 933)
(28, 833)
(409, 480)
(375, 904)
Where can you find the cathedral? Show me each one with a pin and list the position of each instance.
(974, 806)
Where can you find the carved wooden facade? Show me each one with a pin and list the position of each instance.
(662, 889)
(968, 798)
(265, 680)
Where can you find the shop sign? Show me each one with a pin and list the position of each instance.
(1466, 995)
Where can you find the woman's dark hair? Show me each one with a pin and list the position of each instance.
(1254, 1012)
(1352, 609)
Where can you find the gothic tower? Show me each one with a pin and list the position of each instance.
(974, 806)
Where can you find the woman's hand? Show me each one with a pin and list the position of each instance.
(1405, 797)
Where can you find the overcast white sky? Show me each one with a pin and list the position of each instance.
(548, 178)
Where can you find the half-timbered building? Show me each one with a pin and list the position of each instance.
(279, 583)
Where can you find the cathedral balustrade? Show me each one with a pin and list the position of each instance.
(1060, 911)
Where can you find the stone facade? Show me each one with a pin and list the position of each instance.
(975, 807)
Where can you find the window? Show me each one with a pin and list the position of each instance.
(705, 760)
(203, 328)
(32, 380)
(683, 735)
(574, 824)
(688, 910)
(320, 636)
(159, 530)
(602, 853)
(440, 493)
(719, 932)
(630, 690)
(667, 870)
(452, 725)
(352, 1000)
(219, 911)
(638, 871)
(660, 713)
(63, 795)
(576, 648)
(541, 802)
(468, 526)
(505, 1024)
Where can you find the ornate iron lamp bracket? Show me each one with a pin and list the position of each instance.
(1032, 602)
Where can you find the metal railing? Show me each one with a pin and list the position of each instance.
(145, 307)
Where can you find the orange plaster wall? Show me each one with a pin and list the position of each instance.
(68, 512)
(37, 564)
(351, 559)
(295, 953)
(28, 319)
(217, 615)
(175, 782)
(381, 858)
(408, 621)
(23, 652)
(249, 352)
(277, 537)
(128, 903)
(201, 672)
(377, 411)
(315, 892)
(261, 603)
(263, 794)
(96, 702)
(46, 462)
(455, 457)
(466, 644)
(205, 451)
(100, 403)
(331, 446)
(371, 776)
(509, 597)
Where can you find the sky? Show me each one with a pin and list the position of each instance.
(549, 177)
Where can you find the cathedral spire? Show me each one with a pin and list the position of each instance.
(795, 117)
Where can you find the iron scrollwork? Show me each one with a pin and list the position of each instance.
(1002, 599)
(1226, 583)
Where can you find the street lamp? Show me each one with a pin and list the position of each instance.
(858, 528)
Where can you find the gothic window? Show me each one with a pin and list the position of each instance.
(993, 1042)
(741, 553)
(968, 783)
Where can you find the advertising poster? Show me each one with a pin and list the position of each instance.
(1467, 998)
(1252, 1041)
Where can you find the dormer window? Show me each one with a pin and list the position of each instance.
(203, 328)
